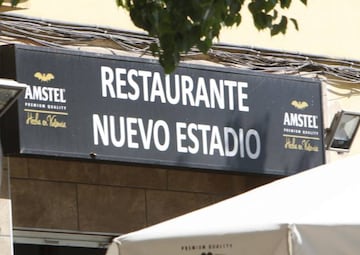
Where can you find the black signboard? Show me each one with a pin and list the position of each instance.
(104, 107)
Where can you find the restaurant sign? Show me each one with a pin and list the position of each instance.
(104, 107)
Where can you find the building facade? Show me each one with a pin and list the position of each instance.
(57, 203)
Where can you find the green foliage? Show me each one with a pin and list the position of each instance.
(180, 25)
(13, 2)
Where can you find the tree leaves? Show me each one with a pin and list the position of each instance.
(280, 27)
(285, 3)
(181, 25)
(12, 2)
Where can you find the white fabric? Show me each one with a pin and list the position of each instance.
(314, 212)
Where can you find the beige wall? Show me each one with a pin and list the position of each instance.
(91, 12)
(342, 96)
(326, 27)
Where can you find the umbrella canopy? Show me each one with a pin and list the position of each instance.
(313, 212)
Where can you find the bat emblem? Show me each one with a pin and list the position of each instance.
(44, 77)
(299, 104)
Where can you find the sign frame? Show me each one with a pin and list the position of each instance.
(256, 111)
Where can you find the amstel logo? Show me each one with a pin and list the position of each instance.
(44, 77)
(301, 105)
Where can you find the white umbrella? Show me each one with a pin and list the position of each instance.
(313, 212)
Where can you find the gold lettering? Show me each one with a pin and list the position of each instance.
(290, 144)
(53, 122)
(50, 120)
(308, 146)
(33, 119)
(302, 145)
